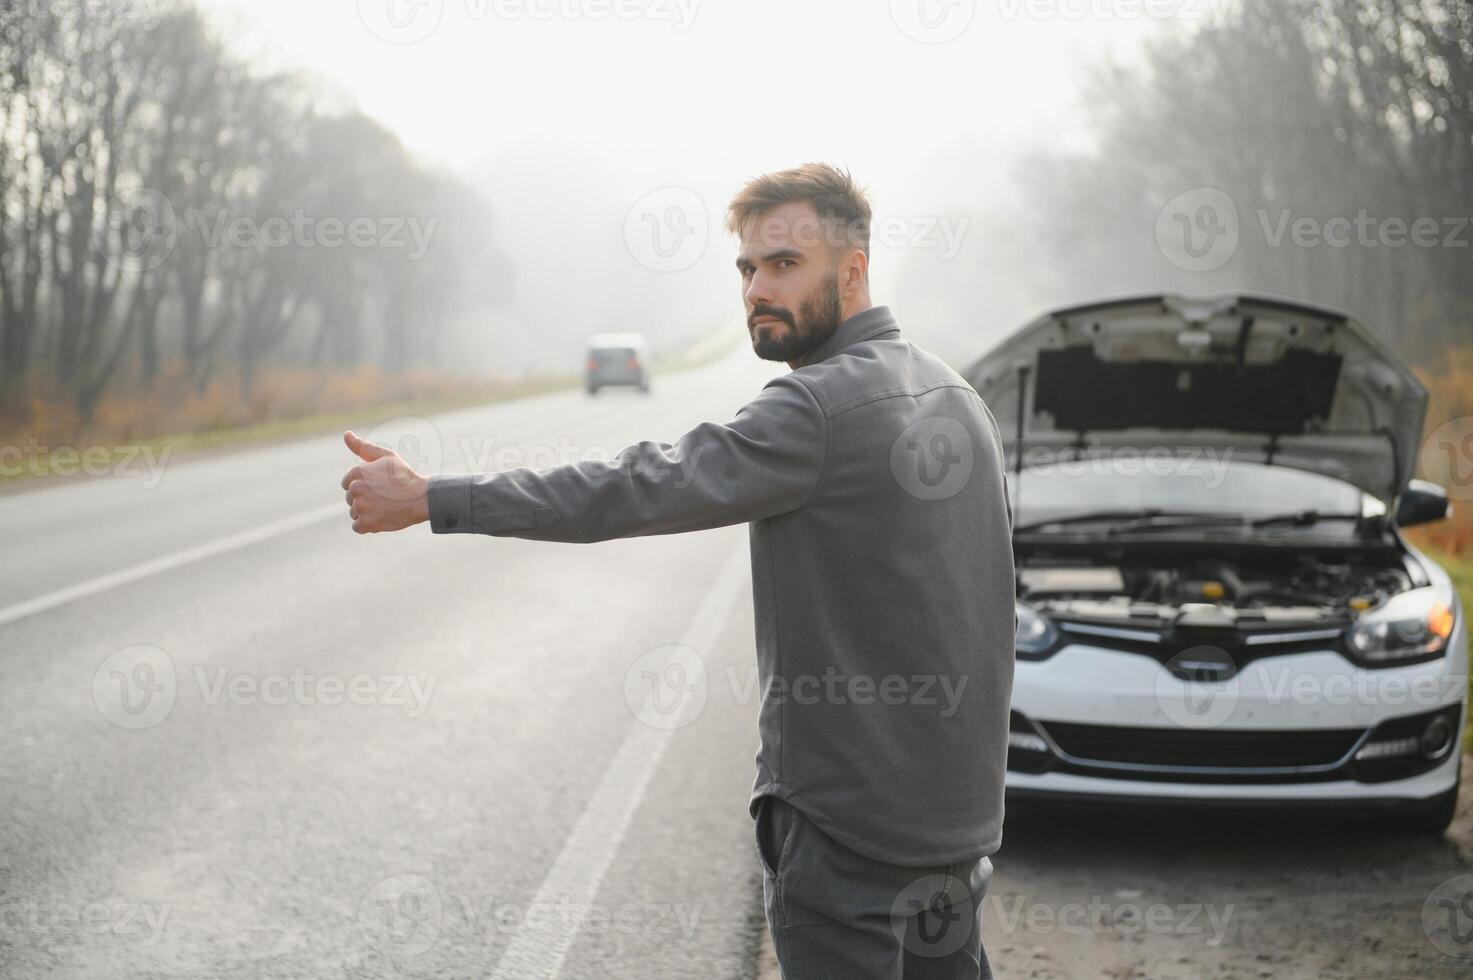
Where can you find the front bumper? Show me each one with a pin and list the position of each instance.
(1394, 795)
(1300, 729)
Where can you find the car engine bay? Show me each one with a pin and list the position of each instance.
(1274, 586)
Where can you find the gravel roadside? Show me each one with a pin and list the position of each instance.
(1160, 897)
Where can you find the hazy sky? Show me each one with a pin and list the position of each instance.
(567, 112)
(705, 85)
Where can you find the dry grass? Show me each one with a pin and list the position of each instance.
(170, 411)
(172, 415)
(1450, 383)
(170, 405)
(1450, 542)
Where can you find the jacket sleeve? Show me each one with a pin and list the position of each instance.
(764, 462)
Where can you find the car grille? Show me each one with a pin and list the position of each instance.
(1180, 748)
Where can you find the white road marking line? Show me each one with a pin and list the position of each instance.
(123, 576)
(91, 587)
(538, 949)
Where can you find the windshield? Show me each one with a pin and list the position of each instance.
(1118, 488)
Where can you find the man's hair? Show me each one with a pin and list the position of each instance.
(843, 207)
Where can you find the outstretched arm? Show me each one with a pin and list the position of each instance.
(764, 462)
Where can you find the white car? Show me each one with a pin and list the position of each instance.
(1215, 604)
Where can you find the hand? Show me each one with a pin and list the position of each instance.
(384, 492)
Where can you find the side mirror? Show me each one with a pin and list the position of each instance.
(1421, 503)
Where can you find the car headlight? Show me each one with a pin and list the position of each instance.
(1410, 625)
(1035, 633)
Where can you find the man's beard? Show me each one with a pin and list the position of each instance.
(818, 317)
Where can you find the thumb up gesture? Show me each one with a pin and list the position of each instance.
(384, 493)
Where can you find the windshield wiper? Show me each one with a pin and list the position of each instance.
(1305, 518)
(1095, 516)
(1299, 518)
(1153, 519)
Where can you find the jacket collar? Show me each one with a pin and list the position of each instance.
(877, 321)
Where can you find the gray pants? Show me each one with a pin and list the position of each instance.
(838, 915)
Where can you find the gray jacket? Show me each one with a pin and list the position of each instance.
(882, 579)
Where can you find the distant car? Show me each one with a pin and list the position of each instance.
(1215, 604)
(617, 359)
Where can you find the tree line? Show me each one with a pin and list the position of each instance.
(162, 203)
(1341, 134)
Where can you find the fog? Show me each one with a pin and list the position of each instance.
(565, 122)
(360, 618)
(524, 173)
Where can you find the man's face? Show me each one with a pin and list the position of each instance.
(790, 285)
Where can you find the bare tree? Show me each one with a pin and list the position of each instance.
(1297, 108)
(140, 167)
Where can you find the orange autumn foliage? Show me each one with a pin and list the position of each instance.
(1449, 382)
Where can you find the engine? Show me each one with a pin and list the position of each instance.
(1274, 587)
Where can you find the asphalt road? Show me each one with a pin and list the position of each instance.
(242, 741)
(1184, 896)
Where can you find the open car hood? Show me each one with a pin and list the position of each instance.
(1252, 379)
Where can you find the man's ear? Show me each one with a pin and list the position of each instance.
(854, 271)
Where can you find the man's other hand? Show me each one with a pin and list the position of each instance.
(384, 493)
